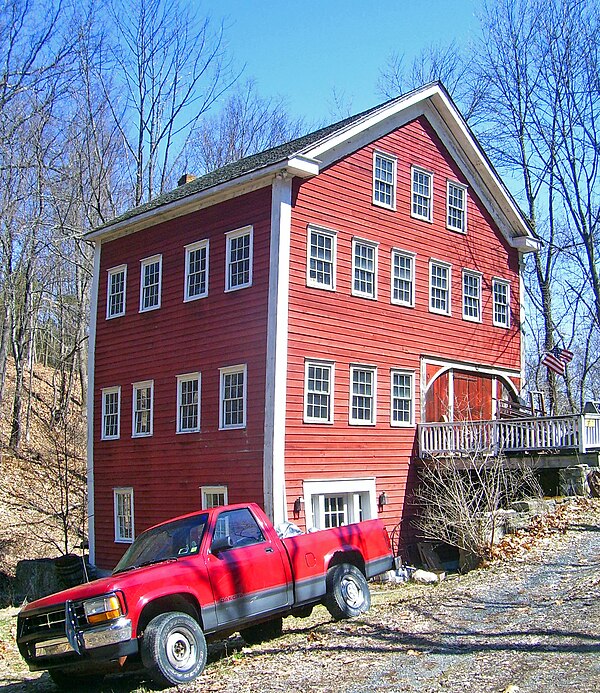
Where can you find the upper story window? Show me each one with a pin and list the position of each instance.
(143, 398)
(362, 395)
(188, 403)
(472, 295)
(456, 207)
(213, 496)
(111, 412)
(384, 180)
(150, 283)
(318, 392)
(422, 186)
(196, 271)
(402, 397)
(501, 295)
(321, 253)
(364, 268)
(238, 272)
(116, 289)
(439, 287)
(123, 506)
(403, 278)
(232, 410)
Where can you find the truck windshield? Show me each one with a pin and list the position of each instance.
(167, 542)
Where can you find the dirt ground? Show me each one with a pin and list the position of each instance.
(528, 623)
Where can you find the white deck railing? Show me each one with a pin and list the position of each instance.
(578, 433)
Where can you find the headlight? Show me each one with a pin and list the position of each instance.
(102, 608)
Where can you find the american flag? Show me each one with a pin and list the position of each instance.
(557, 359)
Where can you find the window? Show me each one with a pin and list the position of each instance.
(188, 403)
(115, 300)
(318, 392)
(456, 203)
(362, 395)
(472, 296)
(439, 287)
(213, 496)
(143, 397)
(240, 526)
(364, 268)
(384, 180)
(402, 398)
(338, 502)
(150, 283)
(111, 412)
(403, 283)
(233, 397)
(321, 259)
(501, 293)
(238, 272)
(123, 499)
(422, 183)
(196, 271)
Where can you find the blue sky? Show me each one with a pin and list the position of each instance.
(304, 50)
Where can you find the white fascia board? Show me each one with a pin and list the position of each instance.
(302, 166)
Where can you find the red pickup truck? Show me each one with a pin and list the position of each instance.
(203, 575)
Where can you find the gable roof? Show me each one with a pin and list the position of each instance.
(305, 156)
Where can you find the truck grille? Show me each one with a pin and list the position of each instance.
(48, 623)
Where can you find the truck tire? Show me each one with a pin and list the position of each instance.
(347, 592)
(67, 681)
(173, 649)
(268, 630)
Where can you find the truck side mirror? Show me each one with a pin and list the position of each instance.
(221, 544)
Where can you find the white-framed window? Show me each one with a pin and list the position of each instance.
(338, 502)
(321, 258)
(439, 287)
(238, 270)
(318, 392)
(196, 271)
(150, 283)
(421, 198)
(456, 207)
(403, 278)
(363, 390)
(471, 295)
(188, 403)
(384, 180)
(111, 412)
(116, 292)
(232, 410)
(213, 496)
(143, 403)
(501, 296)
(364, 268)
(123, 505)
(402, 398)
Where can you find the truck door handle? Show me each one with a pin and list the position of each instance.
(269, 550)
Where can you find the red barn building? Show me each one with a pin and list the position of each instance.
(275, 330)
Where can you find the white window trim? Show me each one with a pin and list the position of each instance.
(473, 273)
(331, 365)
(332, 487)
(110, 272)
(144, 263)
(192, 247)
(420, 169)
(125, 490)
(229, 236)
(106, 391)
(402, 424)
(185, 377)
(360, 422)
(441, 263)
(371, 244)
(135, 387)
(412, 256)
(498, 280)
(222, 373)
(464, 188)
(206, 490)
(313, 283)
(394, 162)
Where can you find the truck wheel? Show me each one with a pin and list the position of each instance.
(268, 630)
(173, 649)
(347, 592)
(68, 681)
